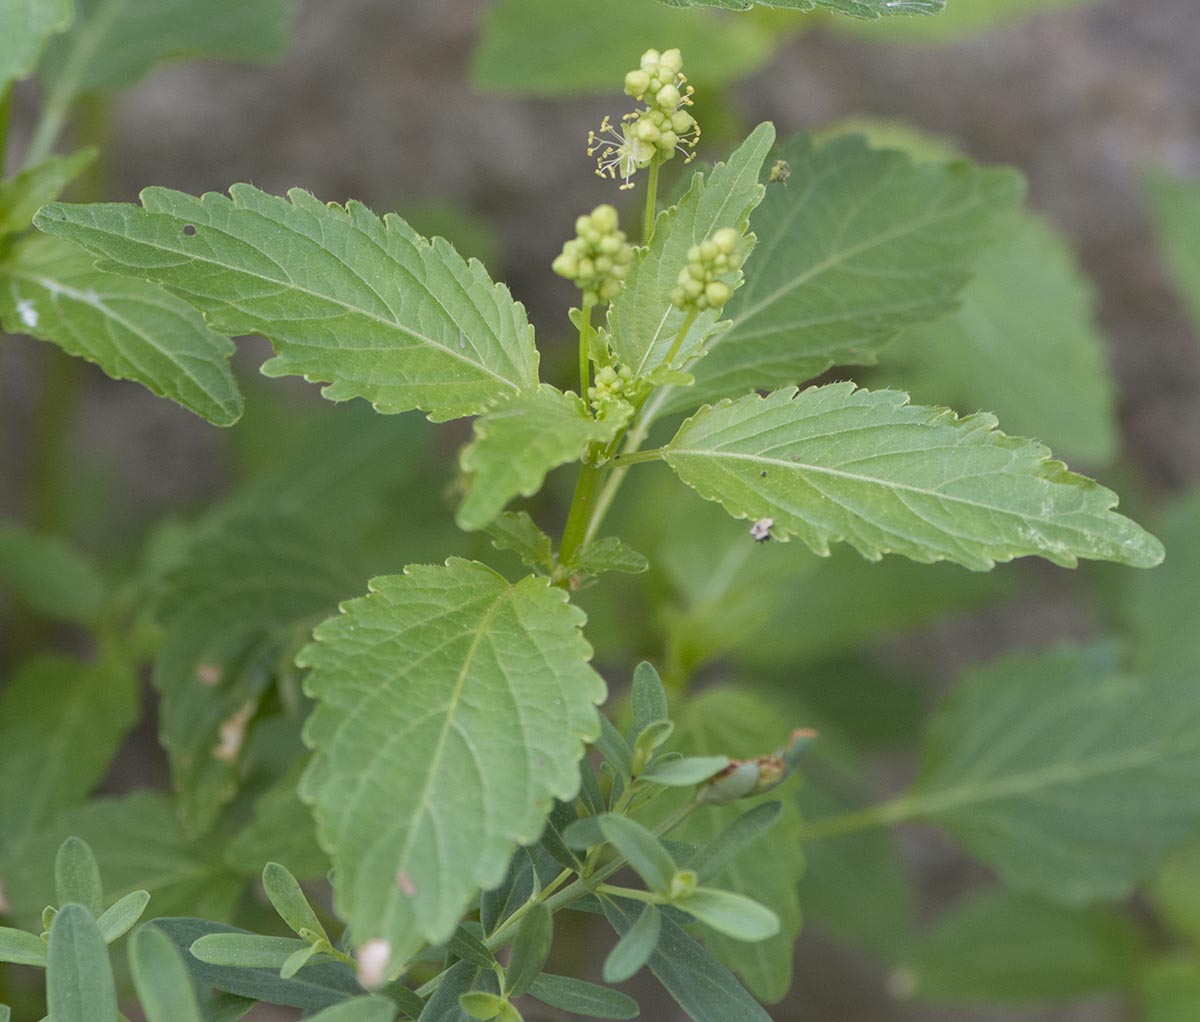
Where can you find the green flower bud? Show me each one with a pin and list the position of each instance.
(636, 83)
(699, 286)
(598, 257)
(672, 61)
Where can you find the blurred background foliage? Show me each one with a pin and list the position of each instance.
(123, 520)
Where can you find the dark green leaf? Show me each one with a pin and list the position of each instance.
(25, 193)
(530, 949)
(465, 945)
(581, 998)
(360, 1009)
(635, 947)
(516, 531)
(741, 833)
(246, 950)
(161, 978)
(610, 554)
(49, 575)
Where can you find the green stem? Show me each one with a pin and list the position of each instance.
(676, 344)
(585, 341)
(49, 127)
(882, 815)
(52, 426)
(651, 199)
(579, 516)
(637, 457)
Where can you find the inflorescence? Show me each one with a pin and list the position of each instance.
(698, 285)
(597, 258)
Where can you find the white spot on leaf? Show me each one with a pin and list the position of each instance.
(27, 313)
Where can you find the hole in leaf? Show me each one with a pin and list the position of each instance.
(189, 229)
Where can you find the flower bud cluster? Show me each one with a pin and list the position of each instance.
(615, 391)
(699, 286)
(597, 258)
(658, 130)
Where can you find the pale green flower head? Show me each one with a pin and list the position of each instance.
(598, 257)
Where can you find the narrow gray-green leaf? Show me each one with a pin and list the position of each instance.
(1175, 205)
(289, 901)
(372, 1008)
(131, 329)
(739, 834)
(517, 442)
(297, 960)
(686, 772)
(644, 852)
(246, 950)
(642, 322)
(635, 947)
(119, 918)
(49, 575)
(25, 193)
(61, 723)
(1044, 765)
(163, 985)
(858, 244)
(28, 26)
(864, 9)
(836, 463)
(582, 998)
(732, 914)
(21, 948)
(79, 979)
(453, 707)
(77, 876)
(362, 303)
(1037, 363)
(648, 697)
(530, 949)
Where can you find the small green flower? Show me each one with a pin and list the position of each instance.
(659, 130)
(597, 258)
(699, 285)
(616, 392)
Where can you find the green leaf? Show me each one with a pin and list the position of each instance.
(1169, 991)
(702, 986)
(61, 723)
(233, 612)
(648, 697)
(1035, 951)
(1175, 206)
(741, 833)
(282, 828)
(610, 554)
(517, 442)
(131, 329)
(1174, 890)
(731, 914)
(288, 899)
(464, 944)
(961, 19)
(530, 949)
(836, 463)
(49, 575)
(1044, 765)
(161, 979)
(642, 322)
(479, 1004)
(866, 9)
(582, 998)
(113, 43)
(21, 948)
(516, 531)
(528, 871)
(140, 845)
(1159, 609)
(319, 986)
(25, 193)
(362, 303)
(119, 918)
(506, 700)
(686, 772)
(372, 1008)
(529, 47)
(1038, 363)
(77, 876)
(79, 979)
(767, 866)
(634, 949)
(28, 26)
(246, 950)
(645, 853)
(858, 244)
(442, 1006)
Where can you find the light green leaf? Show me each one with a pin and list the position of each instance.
(362, 303)
(634, 949)
(28, 26)
(610, 554)
(648, 698)
(1169, 991)
(866, 9)
(961, 18)
(642, 322)
(529, 47)
(582, 998)
(530, 949)
(1035, 951)
(454, 707)
(702, 986)
(645, 853)
(139, 844)
(25, 193)
(131, 329)
(1023, 344)
(686, 772)
(284, 893)
(731, 914)
(1160, 611)
(766, 869)
(516, 531)
(161, 979)
(21, 948)
(282, 828)
(77, 876)
(858, 244)
(246, 950)
(119, 918)
(49, 575)
(243, 600)
(517, 442)
(113, 43)
(1175, 205)
(79, 979)
(1044, 765)
(61, 723)
(836, 463)
(372, 1008)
